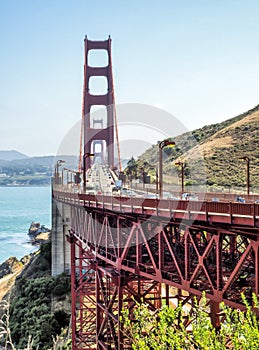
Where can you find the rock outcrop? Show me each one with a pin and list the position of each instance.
(12, 267)
(38, 233)
(9, 270)
(36, 228)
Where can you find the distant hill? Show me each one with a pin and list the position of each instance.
(12, 155)
(31, 170)
(211, 153)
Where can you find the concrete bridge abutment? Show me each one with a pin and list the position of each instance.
(61, 219)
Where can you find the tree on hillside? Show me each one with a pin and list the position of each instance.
(132, 168)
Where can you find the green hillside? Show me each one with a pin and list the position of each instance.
(211, 154)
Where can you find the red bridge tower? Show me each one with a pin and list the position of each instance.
(103, 135)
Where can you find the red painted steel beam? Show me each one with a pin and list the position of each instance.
(242, 214)
(198, 253)
(89, 100)
(220, 260)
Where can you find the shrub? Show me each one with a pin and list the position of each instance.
(31, 317)
(164, 329)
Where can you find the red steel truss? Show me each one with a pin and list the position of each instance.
(83, 315)
(119, 260)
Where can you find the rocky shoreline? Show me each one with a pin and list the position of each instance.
(11, 268)
(38, 233)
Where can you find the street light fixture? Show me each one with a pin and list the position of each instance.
(77, 176)
(247, 173)
(67, 170)
(156, 172)
(161, 145)
(58, 164)
(86, 155)
(181, 164)
(143, 176)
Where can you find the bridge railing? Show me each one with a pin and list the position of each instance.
(163, 207)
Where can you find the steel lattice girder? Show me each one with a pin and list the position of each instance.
(220, 261)
(113, 257)
(83, 291)
(97, 323)
(99, 294)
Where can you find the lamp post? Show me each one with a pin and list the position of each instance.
(156, 171)
(143, 177)
(67, 170)
(156, 179)
(161, 145)
(62, 176)
(73, 180)
(181, 164)
(247, 173)
(58, 164)
(86, 155)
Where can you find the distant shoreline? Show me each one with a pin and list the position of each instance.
(47, 185)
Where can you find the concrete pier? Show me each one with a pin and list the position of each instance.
(61, 218)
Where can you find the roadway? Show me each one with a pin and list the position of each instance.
(99, 180)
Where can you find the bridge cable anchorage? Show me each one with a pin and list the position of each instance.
(116, 122)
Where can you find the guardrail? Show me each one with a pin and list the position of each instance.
(225, 212)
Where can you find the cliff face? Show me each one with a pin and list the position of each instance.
(12, 267)
(9, 270)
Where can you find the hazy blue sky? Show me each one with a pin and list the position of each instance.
(198, 60)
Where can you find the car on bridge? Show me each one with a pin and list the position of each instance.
(240, 199)
(168, 195)
(189, 197)
(150, 195)
(90, 190)
(127, 192)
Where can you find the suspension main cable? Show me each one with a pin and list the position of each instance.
(80, 161)
(116, 121)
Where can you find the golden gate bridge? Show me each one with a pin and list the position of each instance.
(122, 250)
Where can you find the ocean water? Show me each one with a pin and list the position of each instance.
(19, 206)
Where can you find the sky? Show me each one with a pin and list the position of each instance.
(197, 60)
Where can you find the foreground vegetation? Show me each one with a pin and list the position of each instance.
(33, 321)
(33, 315)
(30, 324)
(165, 329)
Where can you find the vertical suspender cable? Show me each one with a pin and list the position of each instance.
(116, 122)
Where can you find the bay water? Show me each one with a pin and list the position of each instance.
(19, 206)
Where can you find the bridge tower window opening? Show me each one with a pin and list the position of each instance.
(99, 150)
(98, 58)
(97, 122)
(98, 85)
(98, 117)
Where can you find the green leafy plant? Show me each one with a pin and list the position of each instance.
(31, 314)
(165, 328)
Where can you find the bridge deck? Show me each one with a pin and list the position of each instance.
(213, 212)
